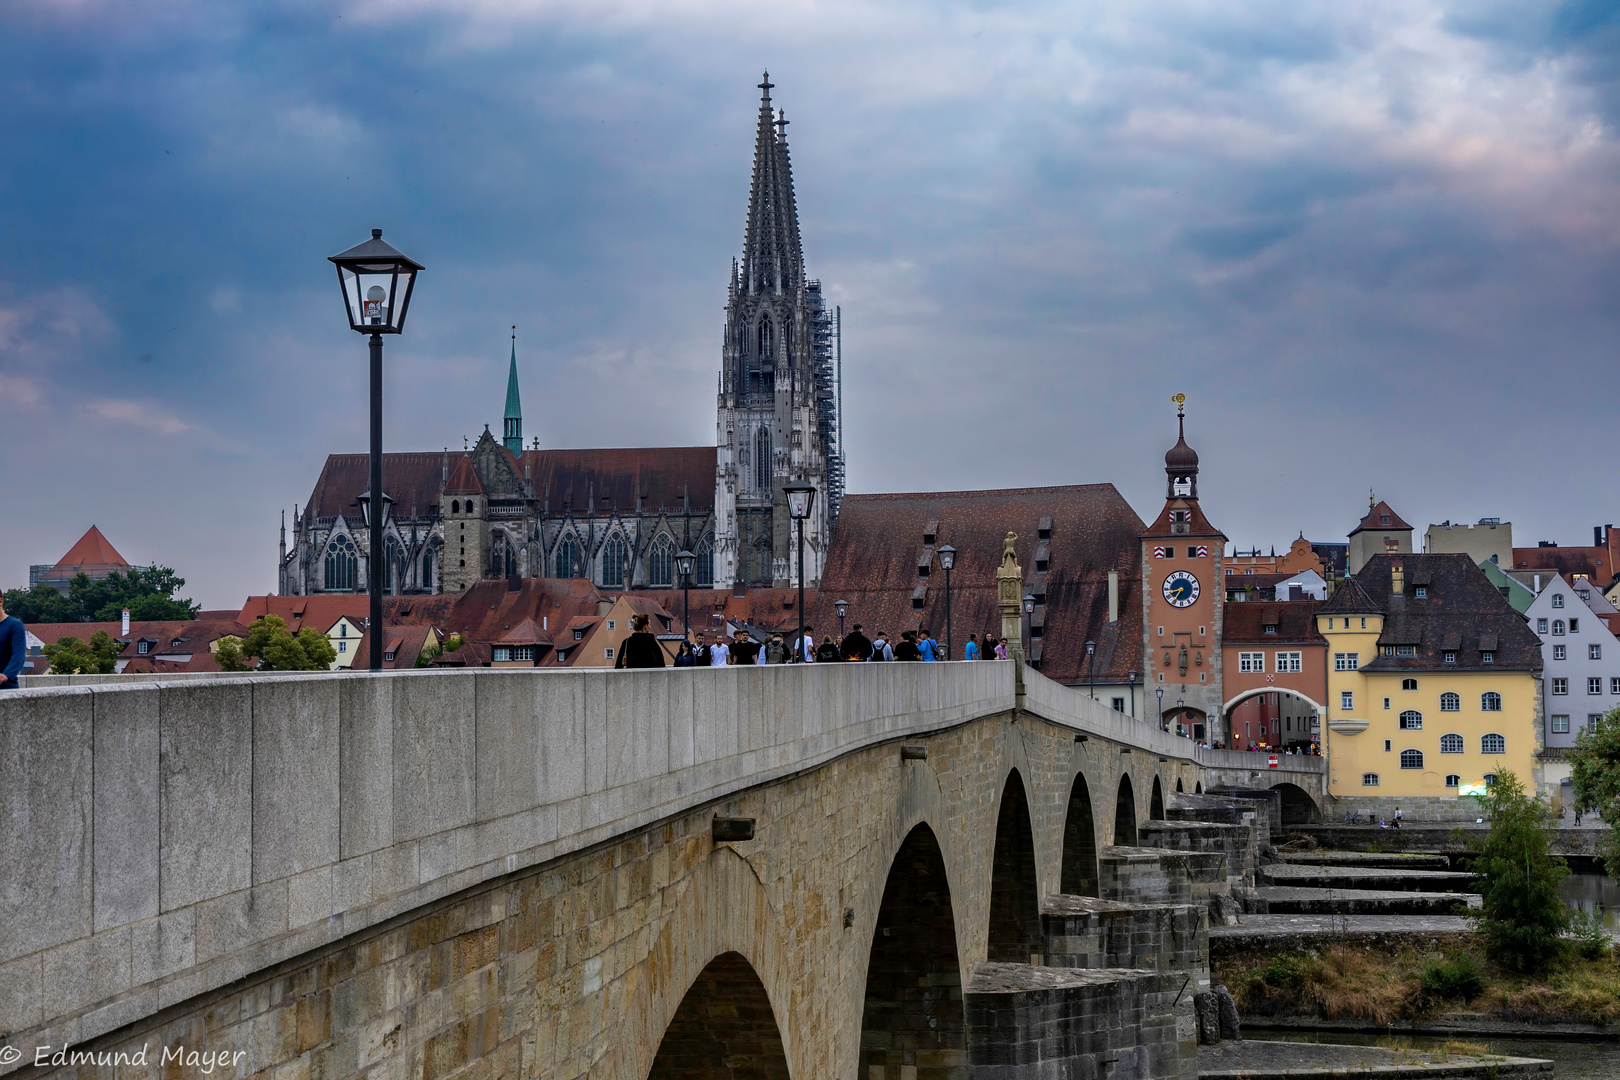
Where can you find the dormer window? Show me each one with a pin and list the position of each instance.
(1487, 657)
(928, 539)
(579, 635)
(922, 569)
(1421, 592)
(1450, 657)
(1041, 565)
(1384, 520)
(143, 647)
(1271, 628)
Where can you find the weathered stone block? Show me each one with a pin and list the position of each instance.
(435, 720)
(295, 775)
(206, 778)
(126, 806)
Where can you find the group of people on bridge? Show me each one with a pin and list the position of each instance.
(641, 649)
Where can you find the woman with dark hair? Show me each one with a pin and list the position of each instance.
(641, 648)
(827, 651)
(685, 656)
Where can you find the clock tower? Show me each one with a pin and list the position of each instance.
(1183, 590)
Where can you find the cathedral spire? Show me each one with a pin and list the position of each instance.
(773, 261)
(512, 436)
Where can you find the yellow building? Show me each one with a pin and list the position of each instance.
(1433, 687)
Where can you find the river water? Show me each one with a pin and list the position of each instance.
(1594, 892)
(1576, 1059)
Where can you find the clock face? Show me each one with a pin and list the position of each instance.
(1181, 589)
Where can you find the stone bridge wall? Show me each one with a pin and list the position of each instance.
(420, 870)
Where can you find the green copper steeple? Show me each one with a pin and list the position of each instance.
(512, 436)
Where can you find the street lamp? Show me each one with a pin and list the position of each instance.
(1163, 725)
(801, 497)
(685, 563)
(842, 607)
(377, 282)
(1130, 682)
(1181, 715)
(947, 559)
(1091, 666)
(1029, 630)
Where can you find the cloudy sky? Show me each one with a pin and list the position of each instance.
(1376, 244)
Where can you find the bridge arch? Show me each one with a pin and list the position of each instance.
(912, 1001)
(1295, 734)
(696, 959)
(1247, 694)
(1078, 873)
(724, 1028)
(1298, 808)
(1156, 801)
(1015, 902)
(1125, 813)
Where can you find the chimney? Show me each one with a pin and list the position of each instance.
(603, 607)
(1113, 596)
(1597, 536)
(1397, 580)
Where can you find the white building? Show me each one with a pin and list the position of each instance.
(1580, 661)
(1309, 583)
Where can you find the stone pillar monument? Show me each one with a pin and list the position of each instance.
(1010, 599)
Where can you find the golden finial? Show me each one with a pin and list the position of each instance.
(1181, 403)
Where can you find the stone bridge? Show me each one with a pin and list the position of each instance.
(830, 872)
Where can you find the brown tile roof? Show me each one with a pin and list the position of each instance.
(1295, 621)
(661, 476)
(1594, 562)
(93, 550)
(173, 637)
(405, 642)
(1350, 598)
(1375, 517)
(1198, 526)
(321, 612)
(1463, 612)
(413, 481)
(875, 554)
(463, 481)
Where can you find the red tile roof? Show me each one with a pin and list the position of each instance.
(661, 476)
(1594, 562)
(1375, 517)
(92, 549)
(875, 553)
(1295, 622)
(412, 480)
(464, 480)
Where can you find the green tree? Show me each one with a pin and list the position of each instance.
(433, 649)
(1595, 771)
(277, 649)
(41, 604)
(228, 654)
(70, 656)
(147, 594)
(1522, 917)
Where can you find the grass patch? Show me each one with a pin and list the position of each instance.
(1387, 986)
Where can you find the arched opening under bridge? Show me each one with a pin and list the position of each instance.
(724, 1029)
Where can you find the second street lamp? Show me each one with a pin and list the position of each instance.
(377, 282)
(1029, 629)
(947, 559)
(685, 563)
(801, 497)
(842, 607)
(1091, 666)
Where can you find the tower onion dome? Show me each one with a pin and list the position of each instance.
(1181, 459)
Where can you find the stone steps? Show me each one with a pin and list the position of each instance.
(1365, 877)
(1292, 900)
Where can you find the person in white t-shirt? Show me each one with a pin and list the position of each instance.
(719, 654)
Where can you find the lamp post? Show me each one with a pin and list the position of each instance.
(685, 563)
(1091, 666)
(1162, 725)
(364, 499)
(842, 607)
(801, 497)
(377, 282)
(1130, 683)
(1029, 631)
(947, 559)
(1181, 715)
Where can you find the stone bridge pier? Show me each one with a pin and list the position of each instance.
(830, 872)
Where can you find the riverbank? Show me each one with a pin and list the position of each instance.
(1444, 984)
(1259, 1060)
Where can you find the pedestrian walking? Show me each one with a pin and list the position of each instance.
(641, 648)
(701, 657)
(804, 649)
(685, 656)
(827, 651)
(776, 650)
(857, 646)
(881, 649)
(744, 649)
(719, 653)
(927, 647)
(971, 651)
(907, 649)
(13, 648)
(1001, 650)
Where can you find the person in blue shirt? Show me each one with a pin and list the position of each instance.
(927, 645)
(13, 648)
(971, 652)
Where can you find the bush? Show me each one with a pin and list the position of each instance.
(1456, 978)
(1591, 940)
(1522, 916)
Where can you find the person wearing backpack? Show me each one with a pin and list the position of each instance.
(776, 650)
(881, 649)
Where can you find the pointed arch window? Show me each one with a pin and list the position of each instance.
(661, 562)
(570, 564)
(704, 572)
(393, 565)
(767, 343)
(502, 559)
(342, 565)
(613, 560)
(426, 580)
(762, 459)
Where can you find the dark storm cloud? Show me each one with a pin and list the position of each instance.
(1374, 244)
